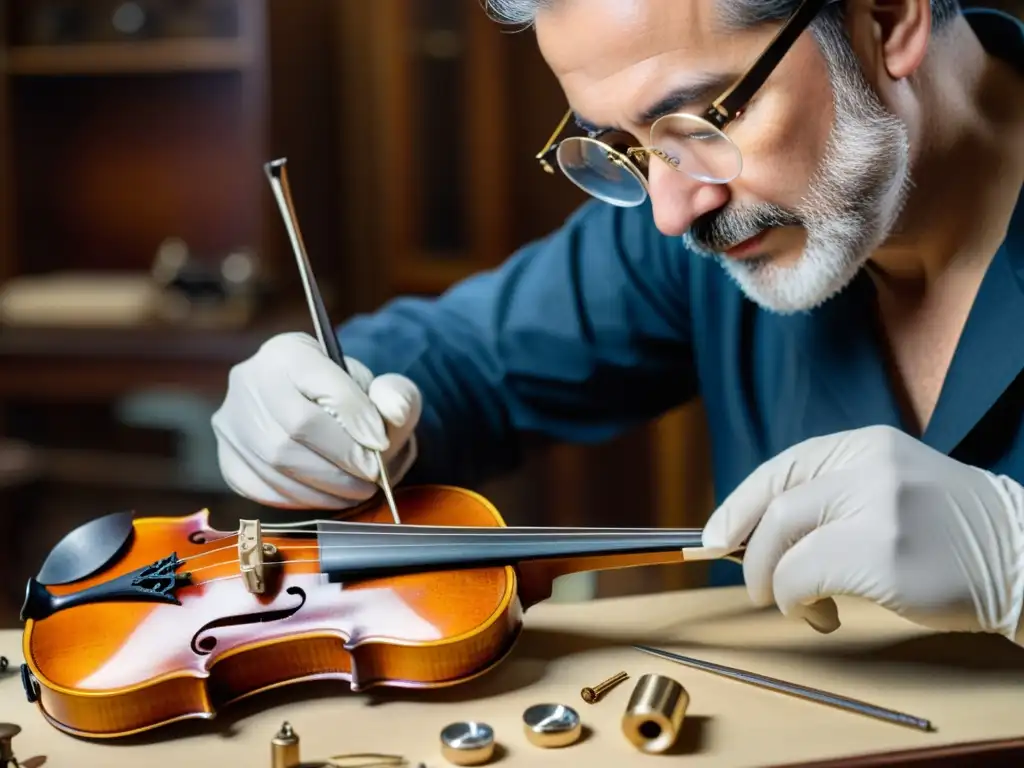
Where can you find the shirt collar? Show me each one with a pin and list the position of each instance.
(1000, 33)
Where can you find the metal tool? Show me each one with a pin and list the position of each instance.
(593, 695)
(365, 760)
(277, 175)
(284, 748)
(799, 691)
(551, 725)
(469, 743)
(655, 713)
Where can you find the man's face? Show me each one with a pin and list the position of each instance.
(825, 165)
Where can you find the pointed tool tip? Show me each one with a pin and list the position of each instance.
(274, 167)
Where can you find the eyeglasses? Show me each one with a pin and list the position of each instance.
(608, 165)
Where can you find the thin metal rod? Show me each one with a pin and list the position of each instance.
(793, 689)
(277, 175)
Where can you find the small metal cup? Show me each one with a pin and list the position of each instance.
(551, 725)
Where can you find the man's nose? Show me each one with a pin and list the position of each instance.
(678, 199)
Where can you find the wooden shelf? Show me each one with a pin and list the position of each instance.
(92, 365)
(155, 56)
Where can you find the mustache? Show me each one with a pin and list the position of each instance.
(722, 229)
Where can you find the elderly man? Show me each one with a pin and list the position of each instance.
(805, 213)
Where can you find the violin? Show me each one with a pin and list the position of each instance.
(134, 623)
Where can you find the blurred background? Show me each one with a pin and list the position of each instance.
(141, 255)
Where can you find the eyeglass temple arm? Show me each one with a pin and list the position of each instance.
(542, 155)
(733, 100)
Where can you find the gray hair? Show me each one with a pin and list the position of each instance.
(736, 14)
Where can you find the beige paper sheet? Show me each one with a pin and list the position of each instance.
(970, 687)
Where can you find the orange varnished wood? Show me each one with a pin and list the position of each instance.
(117, 668)
(85, 658)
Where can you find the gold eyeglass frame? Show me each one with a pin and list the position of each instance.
(722, 111)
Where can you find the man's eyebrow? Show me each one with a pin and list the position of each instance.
(699, 91)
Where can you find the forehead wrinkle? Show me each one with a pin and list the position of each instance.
(643, 72)
(699, 89)
(621, 57)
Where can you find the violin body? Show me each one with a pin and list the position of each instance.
(140, 643)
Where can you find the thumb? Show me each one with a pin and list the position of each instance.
(735, 519)
(400, 404)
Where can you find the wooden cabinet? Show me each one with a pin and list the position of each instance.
(426, 150)
(118, 135)
(117, 132)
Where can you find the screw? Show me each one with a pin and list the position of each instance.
(592, 695)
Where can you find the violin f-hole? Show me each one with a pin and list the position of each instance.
(203, 644)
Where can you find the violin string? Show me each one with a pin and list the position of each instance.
(231, 576)
(238, 575)
(511, 533)
(204, 553)
(450, 539)
(314, 526)
(266, 564)
(279, 563)
(453, 534)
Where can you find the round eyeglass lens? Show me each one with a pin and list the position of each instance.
(697, 148)
(601, 171)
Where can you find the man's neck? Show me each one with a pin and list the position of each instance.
(967, 171)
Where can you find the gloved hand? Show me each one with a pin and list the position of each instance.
(296, 431)
(877, 514)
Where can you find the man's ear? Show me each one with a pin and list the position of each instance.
(902, 29)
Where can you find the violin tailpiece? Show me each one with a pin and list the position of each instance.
(156, 583)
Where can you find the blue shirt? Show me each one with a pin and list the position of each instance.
(607, 323)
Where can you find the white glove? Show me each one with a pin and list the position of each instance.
(877, 514)
(296, 431)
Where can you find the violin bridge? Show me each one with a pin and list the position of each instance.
(251, 550)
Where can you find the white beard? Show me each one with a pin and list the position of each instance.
(853, 204)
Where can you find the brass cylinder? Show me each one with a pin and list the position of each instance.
(284, 748)
(655, 713)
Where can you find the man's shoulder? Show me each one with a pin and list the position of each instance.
(1001, 33)
(1014, 242)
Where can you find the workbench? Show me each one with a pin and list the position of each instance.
(970, 686)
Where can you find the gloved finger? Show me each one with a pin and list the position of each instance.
(400, 404)
(840, 558)
(734, 520)
(320, 381)
(363, 376)
(275, 489)
(787, 520)
(348, 472)
(306, 453)
(321, 427)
